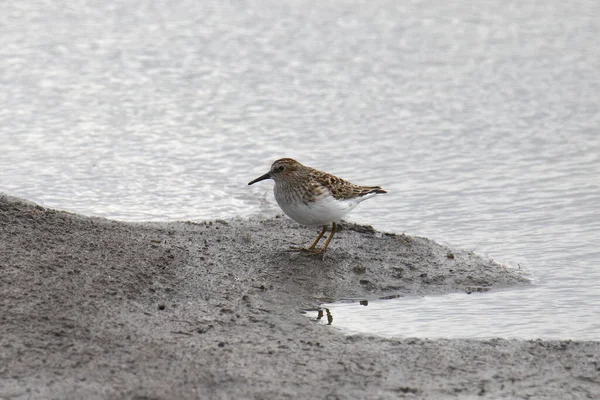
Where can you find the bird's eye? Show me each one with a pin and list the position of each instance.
(280, 168)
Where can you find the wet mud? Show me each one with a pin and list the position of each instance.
(94, 308)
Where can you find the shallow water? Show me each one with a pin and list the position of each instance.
(481, 122)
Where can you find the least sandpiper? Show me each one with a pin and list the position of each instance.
(312, 197)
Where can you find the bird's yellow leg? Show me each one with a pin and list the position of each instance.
(333, 229)
(312, 248)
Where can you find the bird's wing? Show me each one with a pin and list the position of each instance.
(342, 189)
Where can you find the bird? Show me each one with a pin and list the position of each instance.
(312, 197)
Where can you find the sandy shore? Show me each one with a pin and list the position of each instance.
(93, 308)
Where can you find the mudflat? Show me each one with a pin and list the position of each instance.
(93, 308)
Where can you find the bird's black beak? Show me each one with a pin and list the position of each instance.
(261, 178)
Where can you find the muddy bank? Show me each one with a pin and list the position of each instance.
(92, 308)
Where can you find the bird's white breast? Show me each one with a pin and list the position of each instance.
(324, 210)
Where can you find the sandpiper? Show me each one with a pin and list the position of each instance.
(312, 197)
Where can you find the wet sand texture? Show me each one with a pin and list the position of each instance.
(93, 308)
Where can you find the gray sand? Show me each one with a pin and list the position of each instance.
(93, 308)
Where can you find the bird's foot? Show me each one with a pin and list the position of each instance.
(314, 253)
(306, 251)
